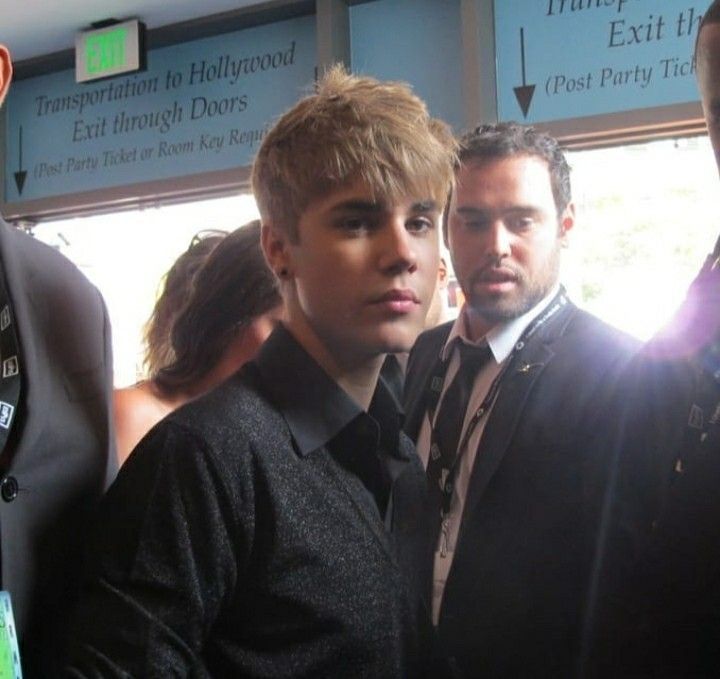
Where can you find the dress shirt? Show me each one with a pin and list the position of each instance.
(319, 413)
(502, 340)
(247, 535)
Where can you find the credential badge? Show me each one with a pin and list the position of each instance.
(696, 419)
(6, 414)
(5, 318)
(10, 367)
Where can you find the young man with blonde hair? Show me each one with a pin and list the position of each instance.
(267, 528)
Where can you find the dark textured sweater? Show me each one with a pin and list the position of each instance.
(243, 537)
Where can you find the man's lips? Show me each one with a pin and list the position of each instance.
(496, 275)
(494, 281)
(398, 301)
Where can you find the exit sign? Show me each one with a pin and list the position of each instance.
(107, 51)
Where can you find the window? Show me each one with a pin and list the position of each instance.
(126, 254)
(648, 214)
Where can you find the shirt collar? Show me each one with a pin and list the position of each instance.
(502, 338)
(314, 406)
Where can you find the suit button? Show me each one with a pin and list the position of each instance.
(9, 488)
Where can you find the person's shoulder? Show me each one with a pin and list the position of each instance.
(43, 265)
(136, 411)
(22, 244)
(593, 346)
(434, 336)
(235, 415)
(423, 354)
(138, 395)
(597, 330)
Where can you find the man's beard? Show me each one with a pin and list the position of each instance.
(527, 293)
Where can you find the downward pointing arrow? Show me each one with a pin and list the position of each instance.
(523, 93)
(20, 174)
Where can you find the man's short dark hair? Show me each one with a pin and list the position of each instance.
(504, 140)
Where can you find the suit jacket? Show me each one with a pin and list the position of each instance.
(238, 539)
(61, 452)
(658, 612)
(514, 598)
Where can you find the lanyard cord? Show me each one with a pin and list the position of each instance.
(450, 462)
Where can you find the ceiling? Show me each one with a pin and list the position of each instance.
(38, 27)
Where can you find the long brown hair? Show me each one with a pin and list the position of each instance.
(176, 286)
(229, 291)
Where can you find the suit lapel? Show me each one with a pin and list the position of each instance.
(507, 412)
(420, 371)
(27, 309)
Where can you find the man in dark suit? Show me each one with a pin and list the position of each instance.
(659, 600)
(509, 406)
(56, 455)
(267, 528)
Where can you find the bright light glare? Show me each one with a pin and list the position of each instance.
(648, 214)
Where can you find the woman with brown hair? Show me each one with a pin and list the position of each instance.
(231, 307)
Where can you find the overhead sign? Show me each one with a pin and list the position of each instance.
(559, 59)
(200, 106)
(111, 50)
(390, 40)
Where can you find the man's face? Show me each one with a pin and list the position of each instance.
(708, 71)
(362, 273)
(505, 236)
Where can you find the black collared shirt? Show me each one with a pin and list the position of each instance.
(320, 414)
(243, 538)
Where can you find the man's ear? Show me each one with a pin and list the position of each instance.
(442, 274)
(6, 71)
(567, 221)
(275, 244)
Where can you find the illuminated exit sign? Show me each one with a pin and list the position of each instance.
(107, 51)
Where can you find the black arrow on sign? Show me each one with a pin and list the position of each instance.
(20, 174)
(524, 93)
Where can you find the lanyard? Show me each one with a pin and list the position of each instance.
(9, 366)
(450, 462)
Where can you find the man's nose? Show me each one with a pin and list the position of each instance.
(398, 247)
(498, 244)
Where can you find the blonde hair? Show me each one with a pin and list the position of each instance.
(353, 128)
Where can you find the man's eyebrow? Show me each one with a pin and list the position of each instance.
(470, 210)
(425, 206)
(357, 206)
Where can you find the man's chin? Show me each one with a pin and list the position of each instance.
(399, 338)
(398, 345)
(498, 310)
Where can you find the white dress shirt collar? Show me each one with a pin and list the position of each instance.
(502, 338)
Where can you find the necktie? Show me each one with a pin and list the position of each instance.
(449, 422)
